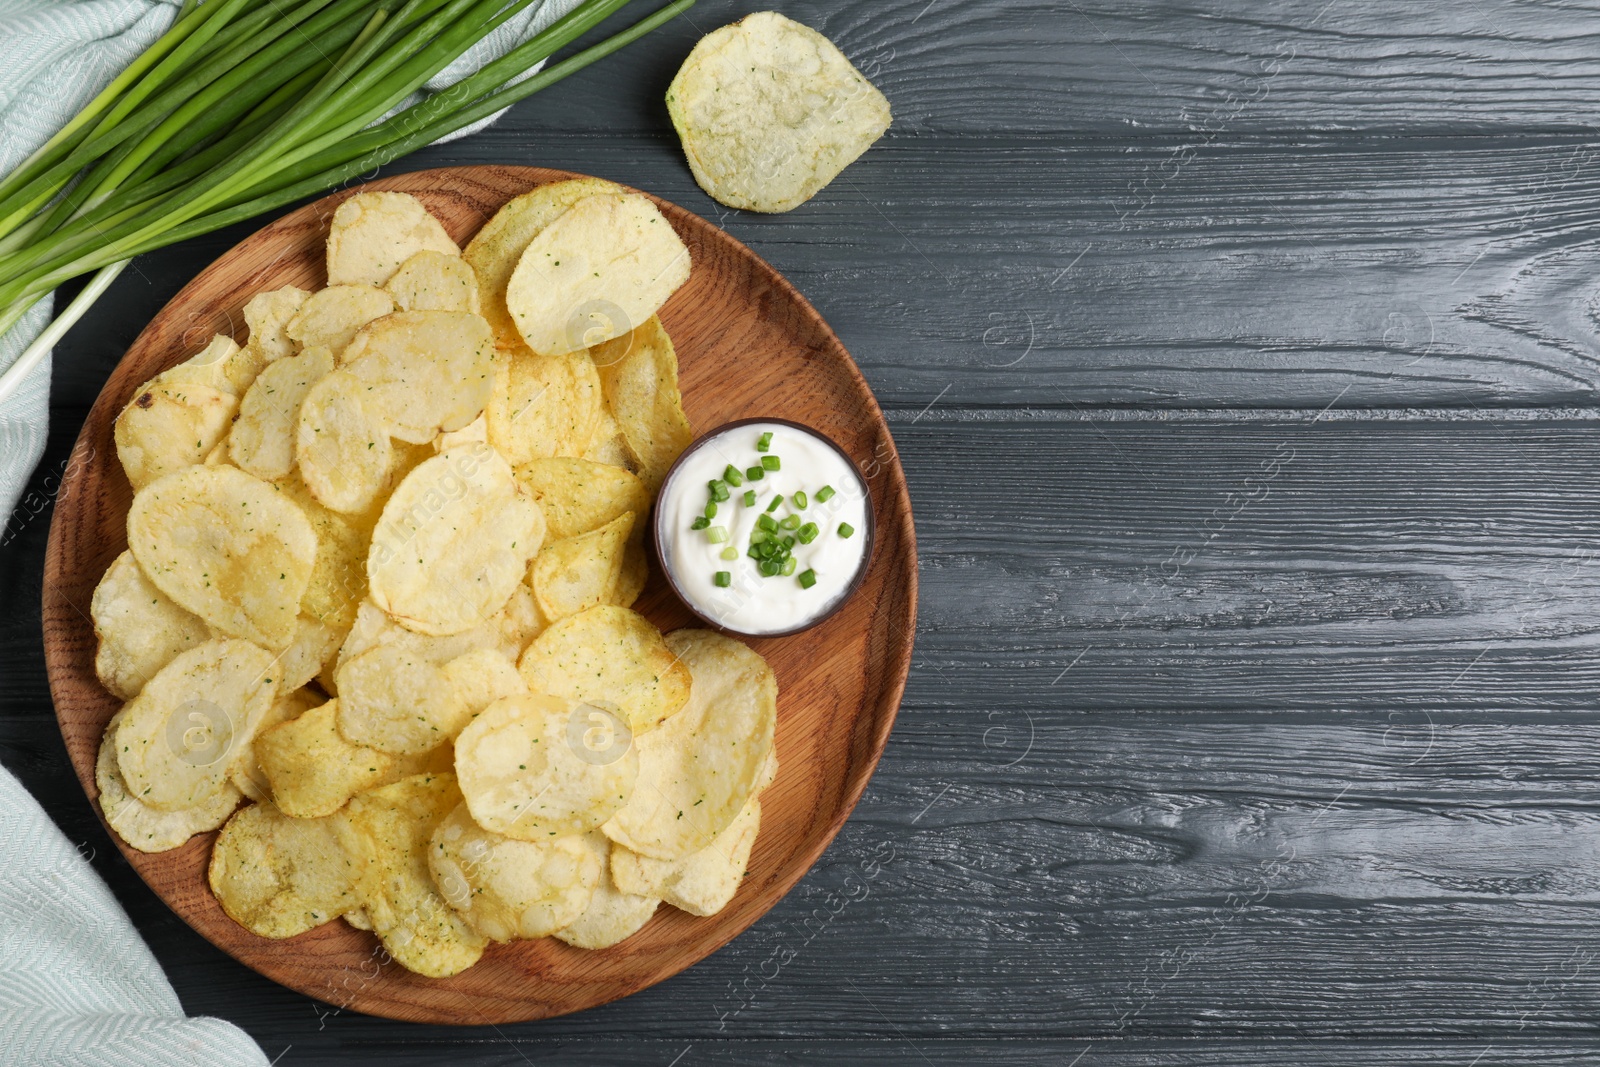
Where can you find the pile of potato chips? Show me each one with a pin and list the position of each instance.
(378, 582)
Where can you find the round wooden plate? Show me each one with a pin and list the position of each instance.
(748, 344)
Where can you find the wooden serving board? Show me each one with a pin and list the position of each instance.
(748, 345)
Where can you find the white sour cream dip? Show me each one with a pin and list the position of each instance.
(752, 602)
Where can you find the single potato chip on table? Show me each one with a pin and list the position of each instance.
(178, 738)
(138, 628)
(769, 112)
(373, 234)
(453, 542)
(612, 655)
(392, 829)
(145, 828)
(612, 915)
(508, 889)
(537, 766)
(494, 251)
(639, 379)
(228, 547)
(700, 767)
(278, 876)
(600, 268)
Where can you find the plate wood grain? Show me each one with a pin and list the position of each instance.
(748, 344)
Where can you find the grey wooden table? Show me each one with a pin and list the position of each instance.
(1243, 360)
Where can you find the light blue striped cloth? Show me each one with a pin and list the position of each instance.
(78, 987)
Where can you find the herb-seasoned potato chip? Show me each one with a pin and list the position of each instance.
(208, 367)
(262, 439)
(770, 111)
(228, 547)
(397, 701)
(474, 432)
(453, 541)
(701, 766)
(339, 579)
(612, 915)
(507, 632)
(434, 281)
(575, 574)
(639, 378)
(148, 829)
(423, 371)
(608, 445)
(358, 918)
(701, 883)
(604, 265)
(312, 770)
(138, 627)
(267, 314)
(246, 773)
(173, 421)
(494, 252)
(632, 576)
(344, 452)
(391, 829)
(579, 495)
(505, 888)
(543, 405)
(315, 643)
(536, 766)
(331, 317)
(614, 656)
(278, 876)
(180, 735)
(374, 233)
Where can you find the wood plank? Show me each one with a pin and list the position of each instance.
(1026, 274)
(1108, 68)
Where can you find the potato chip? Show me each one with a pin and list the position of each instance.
(701, 883)
(598, 270)
(577, 573)
(374, 233)
(631, 576)
(228, 547)
(338, 582)
(508, 889)
(614, 656)
(434, 281)
(494, 252)
(702, 765)
(312, 770)
(397, 701)
(639, 378)
(246, 773)
(146, 828)
(315, 643)
(453, 542)
(579, 495)
(278, 876)
(612, 915)
(171, 423)
(179, 737)
(543, 405)
(423, 371)
(608, 445)
(208, 367)
(769, 112)
(139, 629)
(535, 766)
(507, 632)
(344, 452)
(267, 314)
(392, 827)
(262, 439)
(330, 318)
(358, 918)
(474, 432)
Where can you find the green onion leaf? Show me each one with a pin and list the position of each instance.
(773, 506)
(788, 567)
(824, 493)
(808, 578)
(732, 475)
(722, 579)
(770, 463)
(764, 442)
(700, 523)
(749, 498)
(730, 553)
(754, 474)
(789, 522)
(808, 533)
(799, 499)
(717, 534)
(845, 529)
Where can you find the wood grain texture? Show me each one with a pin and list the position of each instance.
(840, 682)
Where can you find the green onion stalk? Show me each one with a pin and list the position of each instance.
(243, 106)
